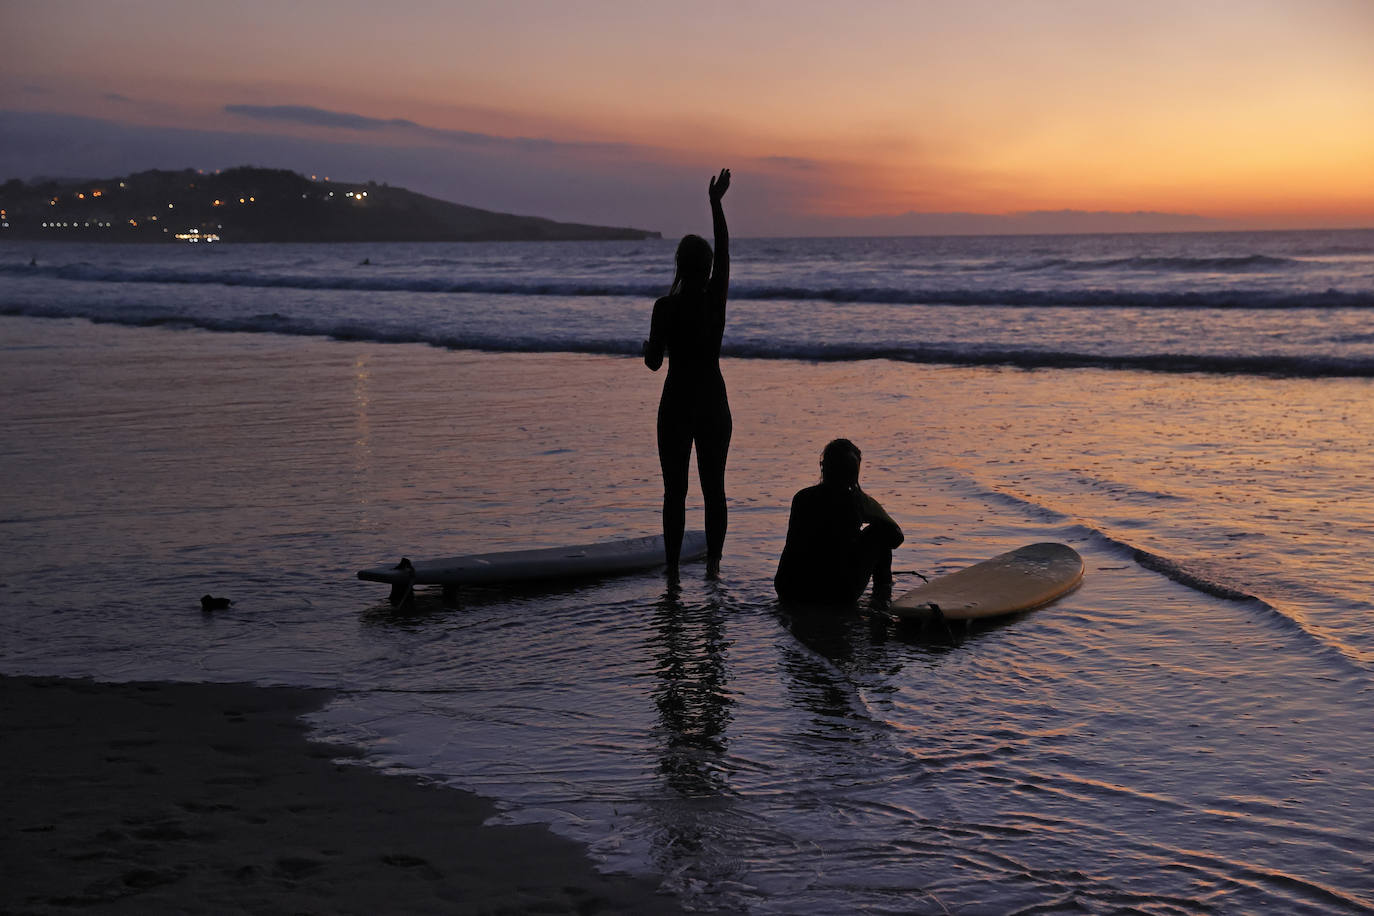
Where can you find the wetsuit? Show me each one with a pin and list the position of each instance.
(693, 408)
(837, 538)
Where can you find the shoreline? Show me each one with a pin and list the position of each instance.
(165, 797)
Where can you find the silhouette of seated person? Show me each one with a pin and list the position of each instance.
(838, 537)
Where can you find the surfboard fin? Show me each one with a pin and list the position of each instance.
(938, 616)
(403, 591)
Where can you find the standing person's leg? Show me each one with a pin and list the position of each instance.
(674, 458)
(713, 449)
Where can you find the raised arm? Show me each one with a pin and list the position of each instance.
(720, 265)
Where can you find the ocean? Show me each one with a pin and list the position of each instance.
(1187, 732)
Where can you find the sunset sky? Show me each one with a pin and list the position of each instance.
(844, 118)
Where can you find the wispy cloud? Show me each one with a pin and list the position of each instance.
(794, 163)
(317, 117)
(310, 116)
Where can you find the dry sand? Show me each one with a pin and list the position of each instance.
(186, 798)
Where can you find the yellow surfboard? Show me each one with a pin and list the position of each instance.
(1019, 580)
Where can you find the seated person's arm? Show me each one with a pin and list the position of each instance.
(875, 516)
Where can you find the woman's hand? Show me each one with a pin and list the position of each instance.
(651, 359)
(719, 185)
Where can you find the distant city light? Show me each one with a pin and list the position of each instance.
(170, 206)
(80, 196)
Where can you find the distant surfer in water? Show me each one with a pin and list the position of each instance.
(838, 537)
(688, 325)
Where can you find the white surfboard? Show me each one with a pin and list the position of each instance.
(604, 559)
(1019, 580)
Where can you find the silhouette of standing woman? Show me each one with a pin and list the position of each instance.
(688, 324)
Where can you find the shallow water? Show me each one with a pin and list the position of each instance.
(1145, 744)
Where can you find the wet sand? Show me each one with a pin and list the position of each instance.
(187, 798)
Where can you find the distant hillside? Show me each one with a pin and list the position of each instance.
(260, 205)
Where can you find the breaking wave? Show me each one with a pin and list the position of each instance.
(1232, 264)
(739, 290)
(531, 340)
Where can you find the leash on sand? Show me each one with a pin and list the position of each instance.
(911, 572)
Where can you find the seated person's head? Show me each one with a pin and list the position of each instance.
(840, 463)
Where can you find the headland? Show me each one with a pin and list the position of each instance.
(248, 204)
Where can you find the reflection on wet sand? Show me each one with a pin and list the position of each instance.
(694, 708)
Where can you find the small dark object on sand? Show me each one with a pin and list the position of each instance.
(211, 603)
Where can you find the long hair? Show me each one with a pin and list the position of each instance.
(693, 265)
(840, 463)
